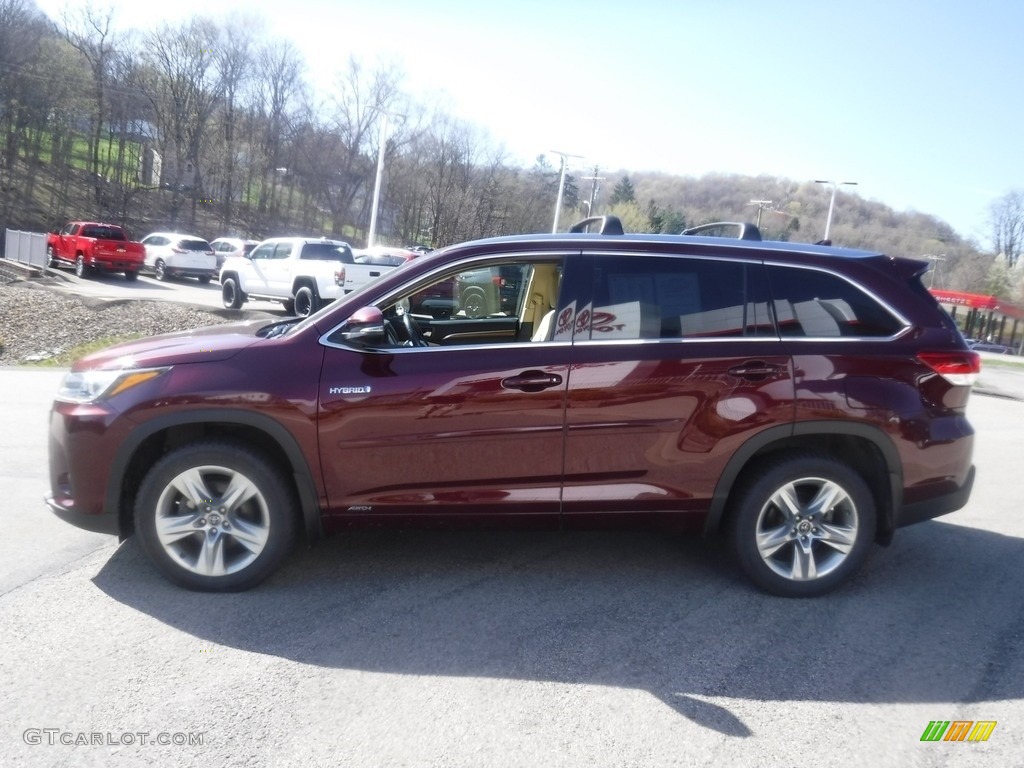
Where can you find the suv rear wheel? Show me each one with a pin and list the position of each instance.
(215, 517)
(803, 525)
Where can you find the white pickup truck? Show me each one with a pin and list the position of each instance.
(302, 273)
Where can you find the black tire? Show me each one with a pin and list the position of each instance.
(51, 258)
(289, 306)
(215, 516)
(474, 302)
(203, 279)
(306, 301)
(230, 293)
(81, 270)
(802, 524)
(131, 277)
(160, 270)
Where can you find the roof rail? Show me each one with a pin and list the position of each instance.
(717, 229)
(610, 225)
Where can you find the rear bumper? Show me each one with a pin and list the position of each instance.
(190, 272)
(115, 265)
(955, 499)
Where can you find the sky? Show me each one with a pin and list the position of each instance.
(917, 102)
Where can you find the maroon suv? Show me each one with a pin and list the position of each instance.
(804, 401)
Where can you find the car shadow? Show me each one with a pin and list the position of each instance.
(929, 619)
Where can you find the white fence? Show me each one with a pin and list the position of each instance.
(25, 247)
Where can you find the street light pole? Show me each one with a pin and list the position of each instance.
(832, 203)
(376, 184)
(561, 185)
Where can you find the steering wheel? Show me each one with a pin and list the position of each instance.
(412, 332)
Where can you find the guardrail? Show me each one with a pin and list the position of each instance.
(25, 247)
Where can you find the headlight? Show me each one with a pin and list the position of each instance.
(91, 386)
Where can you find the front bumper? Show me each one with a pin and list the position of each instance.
(102, 523)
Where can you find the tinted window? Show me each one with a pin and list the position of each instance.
(817, 304)
(103, 233)
(671, 297)
(326, 252)
(194, 245)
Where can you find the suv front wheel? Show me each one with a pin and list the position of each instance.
(803, 525)
(215, 517)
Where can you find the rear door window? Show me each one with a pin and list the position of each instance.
(675, 298)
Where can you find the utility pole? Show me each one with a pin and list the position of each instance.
(832, 204)
(593, 189)
(561, 185)
(761, 205)
(936, 259)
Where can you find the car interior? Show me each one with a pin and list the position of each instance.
(496, 304)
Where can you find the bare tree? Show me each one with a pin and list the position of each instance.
(235, 58)
(362, 101)
(183, 91)
(89, 29)
(278, 95)
(1006, 216)
(22, 30)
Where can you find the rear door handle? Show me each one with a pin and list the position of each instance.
(532, 381)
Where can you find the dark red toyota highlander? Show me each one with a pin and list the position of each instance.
(803, 401)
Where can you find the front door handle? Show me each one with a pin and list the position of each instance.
(532, 381)
(755, 369)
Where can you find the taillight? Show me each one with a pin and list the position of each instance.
(960, 369)
(339, 276)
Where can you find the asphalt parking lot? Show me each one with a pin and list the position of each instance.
(507, 649)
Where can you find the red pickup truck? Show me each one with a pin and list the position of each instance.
(90, 246)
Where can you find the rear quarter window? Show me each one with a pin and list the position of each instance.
(811, 303)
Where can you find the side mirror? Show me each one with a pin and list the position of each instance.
(365, 328)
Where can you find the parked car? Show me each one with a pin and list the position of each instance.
(91, 246)
(802, 401)
(173, 254)
(301, 273)
(225, 247)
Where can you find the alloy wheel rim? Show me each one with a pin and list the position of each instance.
(807, 529)
(212, 520)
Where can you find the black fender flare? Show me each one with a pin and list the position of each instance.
(789, 432)
(300, 470)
